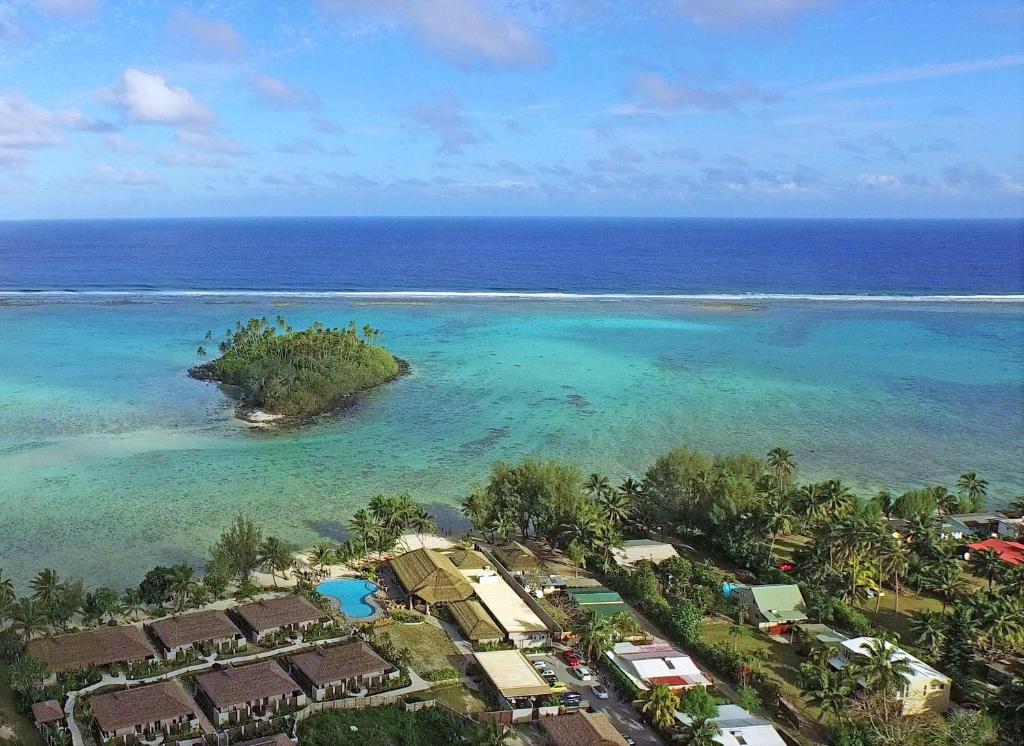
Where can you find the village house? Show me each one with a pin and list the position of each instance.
(294, 614)
(104, 647)
(132, 715)
(519, 623)
(581, 729)
(656, 664)
(330, 673)
(774, 609)
(234, 695)
(50, 721)
(924, 688)
(210, 631)
(738, 727)
(638, 550)
(516, 682)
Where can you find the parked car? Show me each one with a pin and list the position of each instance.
(571, 658)
(571, 699)
(582, 673)
(545, 672)
(559, 687)
(600, 691)
(630, 740)
(549, 676)
(539, 664)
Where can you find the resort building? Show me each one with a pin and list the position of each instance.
(430, 577)
(51, 722)
(205, 631)
(656, 664)
(1010, 552)
(581, 729)
(104, 647)
(517, 558)
(774, 608)
(132, 715)
(330, 673)
(292, 614)
(516, 682)
(234, 695)
(468, 559)
(739, 728)
(637, 550)
(520, 625)
(599, 601)
(474, 621)
(924, 689)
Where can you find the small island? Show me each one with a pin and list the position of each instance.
(276, 372)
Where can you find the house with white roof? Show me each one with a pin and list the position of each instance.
(520, 625)
(924, 689)
(655, 664)
(637, 550)
(739, 728)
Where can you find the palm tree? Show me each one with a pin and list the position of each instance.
(782, 466)
(659, 704)
(363, 526)
(827, 689)
(837, 498)
(700, 732)
(502, 525)
(987, 564)
(182, 578)
(884, 671)
(492, 734)
(45, 586)
(323, 553)
(27, 618)
(596, 636)
(6, 597)
(132, 602)
(735, 632)
(631, 488)
(421, 522)
(580, 530)
(780, 521)
(597, 485)
(615, 505)
(276, 557)
(971, 485)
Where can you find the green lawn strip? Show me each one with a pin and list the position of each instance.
(458, 697)
(430, 649)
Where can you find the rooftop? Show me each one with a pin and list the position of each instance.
(431, 576)
(599, 595)
(779, 603)
(474, 621)
(94, 647)
(189, 629)
(278, 612)
(235, 686)
(1011, 552)
(144, 705)
(740, 728)
(635, 550)
(503, 603)
(49, 711)
(278, 739)
(581, 729)
(919, 669)
(512, 674)
(325, 666)
(467, 559)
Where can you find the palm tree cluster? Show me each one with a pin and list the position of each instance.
(310, 371)
(378, 528)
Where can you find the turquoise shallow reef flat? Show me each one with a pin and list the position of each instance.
(113, 460)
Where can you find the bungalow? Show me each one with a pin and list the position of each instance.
(474, 621)
(104, 647)
(775, 608)
(519, 623)
(233, 695)
(51, 722)
(268, 617)
(581, 729)
(971, 525)
(468, 559)
(517, 558)
(1010, 552)
(737, 727)
(656, 664)
(924, 688)
(329, 673)
(637, 550)
(210, 630)
(132, 715)
(430, 577)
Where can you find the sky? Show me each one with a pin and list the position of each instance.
(718, 108)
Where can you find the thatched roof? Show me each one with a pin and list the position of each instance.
(190, 629)
(95, 647)
(235, 686)
(467, 559)
(431, 576)
(272, 613)
(147, 704)
(517, 557)
(581, 729)
(474, 621)
(325, 666)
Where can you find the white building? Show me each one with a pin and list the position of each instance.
(655, 664)
(520, 624)
(637, 550)
(925, 688)
(740, 728)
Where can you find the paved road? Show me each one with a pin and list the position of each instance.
(620, 711)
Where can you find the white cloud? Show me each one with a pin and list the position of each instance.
(131, 178)
(654, 93)
(283, 95)
(210, 143)
(444, 116)
(879, 181)
(730, 15)
(146, 98)
(26, 126)
(209, 33)
(920, 72)
(120, 144)
(466, 32)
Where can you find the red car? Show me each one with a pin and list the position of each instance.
(786, 566)
(570, 658)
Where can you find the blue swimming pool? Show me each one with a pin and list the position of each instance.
(351, 594)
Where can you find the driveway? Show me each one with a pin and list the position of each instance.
(618, 710)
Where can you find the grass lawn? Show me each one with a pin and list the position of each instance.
(23, 727)
(386, 726)
(429, 647)
(458, 697)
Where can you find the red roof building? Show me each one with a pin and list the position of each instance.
(1008, 551)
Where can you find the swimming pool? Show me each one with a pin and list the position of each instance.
(351, 595)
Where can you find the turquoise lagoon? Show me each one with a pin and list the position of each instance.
(112, 460)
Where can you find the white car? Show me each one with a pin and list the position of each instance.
(600, 692)
(582, 673)
(547, 672)
(539, 664)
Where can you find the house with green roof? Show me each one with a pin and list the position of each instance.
(774, 609)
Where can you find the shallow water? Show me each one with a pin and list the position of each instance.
(112, 459)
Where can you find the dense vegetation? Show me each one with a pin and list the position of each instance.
(392, 726)
(282, 371)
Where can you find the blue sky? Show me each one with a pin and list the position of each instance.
(114, 108)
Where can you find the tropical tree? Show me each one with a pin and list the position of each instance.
(363, 526)
(929, 628)
(596, 636)
(631, 488)
(492, 734)
(779, 520)
(27, 618)
(884, 670)
(239, 548)
(183, 577)
(45, 586)
(782, 466)
(323, 553)
(421, 522)
(987, 565)
(132, 603)
(6, 590)
(597, 485)
(502, 525)
(974, 487)
(276, 556)
(699, 732)
(615, 505)
(829, 690)
(659, 704)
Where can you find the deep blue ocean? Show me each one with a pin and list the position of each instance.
(660, 256)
